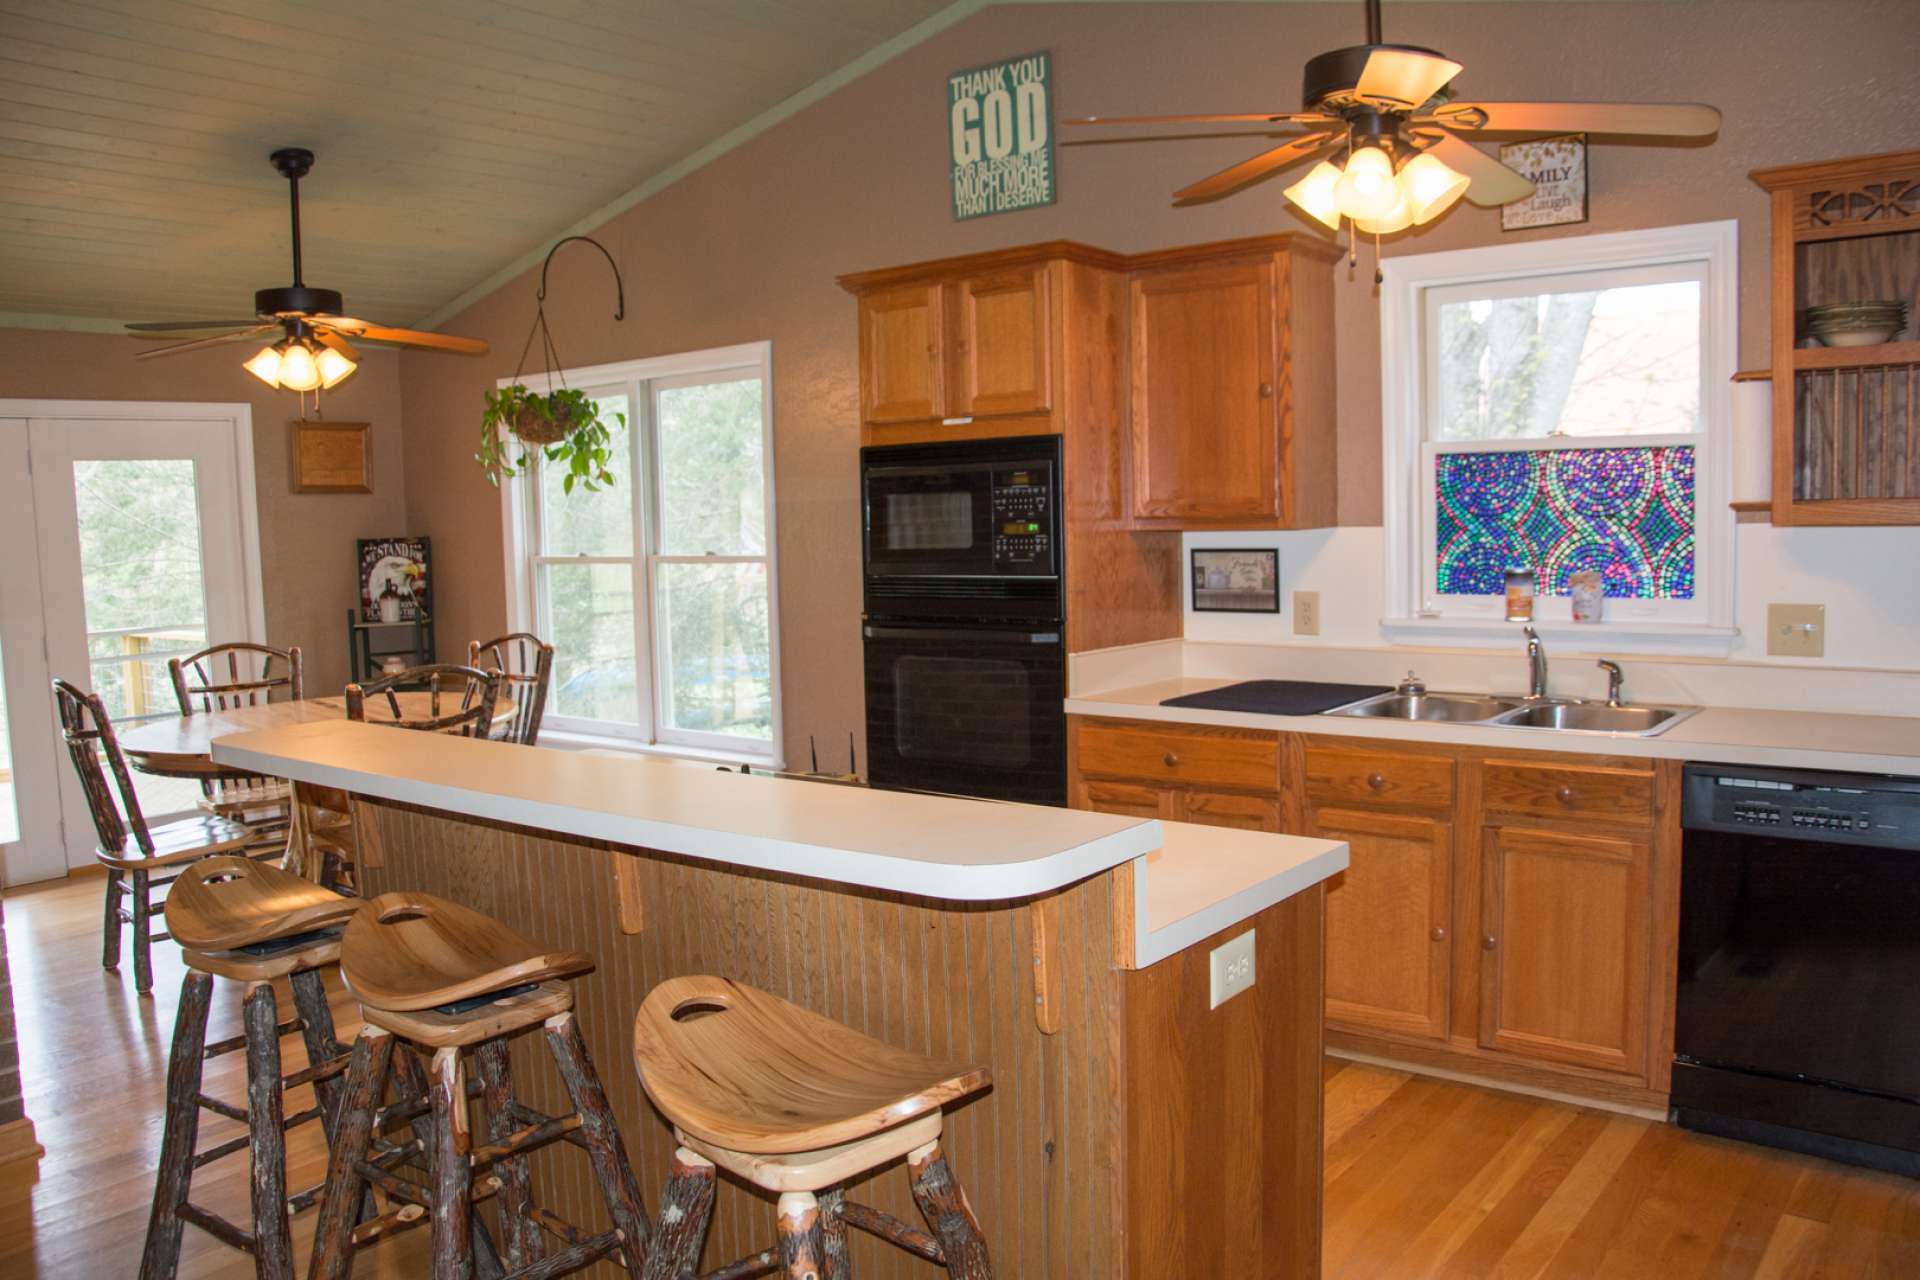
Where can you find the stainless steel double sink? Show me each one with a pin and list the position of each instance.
(1563, 715)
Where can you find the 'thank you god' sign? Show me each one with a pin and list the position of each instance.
(1000, 136)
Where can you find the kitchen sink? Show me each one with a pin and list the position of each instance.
(1592, 717)
(1463, 707)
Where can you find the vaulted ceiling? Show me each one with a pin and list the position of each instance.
(453, 137)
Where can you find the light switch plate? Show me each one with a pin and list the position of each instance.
(1797, 630)
(1306, 613)
(1230, 970)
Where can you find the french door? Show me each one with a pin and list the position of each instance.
(131, 539)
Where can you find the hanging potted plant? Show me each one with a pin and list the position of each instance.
(563, 424)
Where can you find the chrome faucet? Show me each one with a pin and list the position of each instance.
(1536, 667)
(1613, 681)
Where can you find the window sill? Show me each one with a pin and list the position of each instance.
(586, 741)
(1677, 639)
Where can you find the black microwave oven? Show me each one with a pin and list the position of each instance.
(968, 529)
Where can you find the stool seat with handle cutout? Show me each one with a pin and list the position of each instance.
(222, 903)
(411, 951)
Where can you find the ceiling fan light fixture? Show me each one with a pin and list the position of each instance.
(1431, 187)
(298, 369)
(1397, 218)
(1314, 194)
(265, 365)
(334, 367)
(1367, 189)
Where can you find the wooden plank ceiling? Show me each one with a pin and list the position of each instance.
(452, 136)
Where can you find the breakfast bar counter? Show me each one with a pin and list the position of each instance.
(1132, 1130)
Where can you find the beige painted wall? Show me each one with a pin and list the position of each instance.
(747, 247)
(306, 540)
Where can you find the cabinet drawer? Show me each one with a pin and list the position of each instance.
(1132, 799)
(1220, 758)
(1620, 797)
(1225, 809)
(1378, 777)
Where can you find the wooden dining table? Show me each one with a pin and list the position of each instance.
(182, 747)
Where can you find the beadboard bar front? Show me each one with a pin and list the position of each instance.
(1148, 1137)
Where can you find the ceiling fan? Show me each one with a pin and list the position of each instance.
(313, 353)
(1407, 161)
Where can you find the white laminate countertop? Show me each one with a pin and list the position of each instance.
(1784, 739)
(1206, 879)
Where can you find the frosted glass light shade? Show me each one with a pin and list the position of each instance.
(265, 366)
(1431, 186)
(1314, 194)
(1397, 218)
(333, 367)
(1367, 188)
(298, 369)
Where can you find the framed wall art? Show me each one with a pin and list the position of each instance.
(398, 571)
(1557, 167)
(330, 457)
(1236, 580)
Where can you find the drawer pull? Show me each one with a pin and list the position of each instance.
(1439, 933)
(1378, 781)
(1489, 942)
(1170, 760)
(1266, 390)
(1564, 795)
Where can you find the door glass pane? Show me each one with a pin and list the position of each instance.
(592, 524)
(712, 490)
(1592, 362)
(9, 813)
(715, 659)
(142, 583)
(589, 617)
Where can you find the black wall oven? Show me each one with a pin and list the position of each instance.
(963, 630)
(1798, 1020)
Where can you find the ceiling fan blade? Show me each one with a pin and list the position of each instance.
(1282, 117)
(239, 335)
(1490, 183)
(328, 338)
(187, 326)
(369, 332)
(1404, 77)
(1631, 119)
(1239, 175)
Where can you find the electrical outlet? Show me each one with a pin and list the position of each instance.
(1306, 613)
(1797, 630)
(1231, 970)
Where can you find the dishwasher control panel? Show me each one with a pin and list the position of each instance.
(1854, 808)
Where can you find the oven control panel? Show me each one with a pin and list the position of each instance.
(1023, 519)
(1848, 808)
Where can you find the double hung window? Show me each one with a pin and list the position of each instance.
(658, 593)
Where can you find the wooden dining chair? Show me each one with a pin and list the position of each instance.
(131, 851)
(461, 699)
(525, 664)
(222, 677)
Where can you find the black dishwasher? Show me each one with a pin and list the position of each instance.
(1798, 1020)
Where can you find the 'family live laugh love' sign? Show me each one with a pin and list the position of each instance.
(1000, 136)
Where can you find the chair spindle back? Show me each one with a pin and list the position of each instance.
(525, 664)
(461, 704)
(89, 734)
(248, 680)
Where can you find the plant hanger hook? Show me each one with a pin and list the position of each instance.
(619, 286)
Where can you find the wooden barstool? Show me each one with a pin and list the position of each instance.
(247, 922)
(797, 1104)
(445, 979)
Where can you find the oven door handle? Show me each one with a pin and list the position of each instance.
(983, 636)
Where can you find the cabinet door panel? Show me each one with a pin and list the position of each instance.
(1567, 929)
(902, 376)
(1388, 916)
(1001, 352)
(1224, 809)
(1205, 426)
(1127, 798)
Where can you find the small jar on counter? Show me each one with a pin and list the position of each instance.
(1520, 591)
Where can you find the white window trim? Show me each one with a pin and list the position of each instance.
(1403, 393)
(521, 599)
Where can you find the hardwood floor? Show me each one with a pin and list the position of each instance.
(1425, 1178)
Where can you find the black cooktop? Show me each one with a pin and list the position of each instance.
(1277, 697)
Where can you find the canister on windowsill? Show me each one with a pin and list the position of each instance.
(1587, 595)
(1520, 583)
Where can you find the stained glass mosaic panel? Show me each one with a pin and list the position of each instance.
(1627, 513)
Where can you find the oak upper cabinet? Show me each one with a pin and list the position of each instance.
(1390, 913)
(1000, 360)
(1231, 386)
(902, 354)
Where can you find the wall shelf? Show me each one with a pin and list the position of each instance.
(1886, 353)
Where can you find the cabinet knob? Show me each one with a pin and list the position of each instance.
(1170, 759)
(1489, 942)
(1266, 390)
(1439, 933)
(1378, 781)
(1564, 795)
